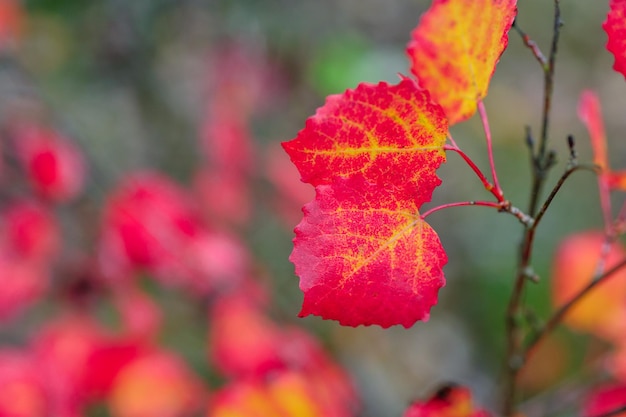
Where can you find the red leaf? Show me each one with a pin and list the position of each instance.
(22, 391)
(362, 252)
(455, 48)
(364, 261)
(590, 113)
(388, 135)
(615, 27)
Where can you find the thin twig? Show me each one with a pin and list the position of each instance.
(531, 45)
(459, 204)
(497, 193)
(549, 79)
(542, 161)
(559, 184)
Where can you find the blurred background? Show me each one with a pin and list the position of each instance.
(204, 91)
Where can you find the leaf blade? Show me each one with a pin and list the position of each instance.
(364, 265)
(615, 28)
(455, 48)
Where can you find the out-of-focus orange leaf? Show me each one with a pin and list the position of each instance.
(615, 27)
(455, 48)
(547, 363)
(448, 401)
(155, 385)
(286, 394)
(603, 310)
(362, 252)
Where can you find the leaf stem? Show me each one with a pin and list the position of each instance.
(485, 121)
(497, 193)
(569, 171)
(459, 204)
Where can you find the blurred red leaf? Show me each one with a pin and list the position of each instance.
(29, 231)
(147, 220)
(22, 390)
(605, 399)
(224, 195)
(590, 112)
(449, 401)
(455, 48)
(615, 27)
(141, 316)
(53, 164)
(12, 18)
(22, 283)
(243, 342)
(362, 252)
(62, 349)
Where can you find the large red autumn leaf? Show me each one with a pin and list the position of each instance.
(362, 252)
(615, 27)
(361, 261)
(455, 48)
(391, 136)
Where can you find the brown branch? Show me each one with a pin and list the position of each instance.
(542, 161)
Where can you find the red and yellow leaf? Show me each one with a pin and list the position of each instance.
(455, 48)
(390, 135)
(615, 28)
(365, 261)
(362, 252)
(448, 401)
(590, 113)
